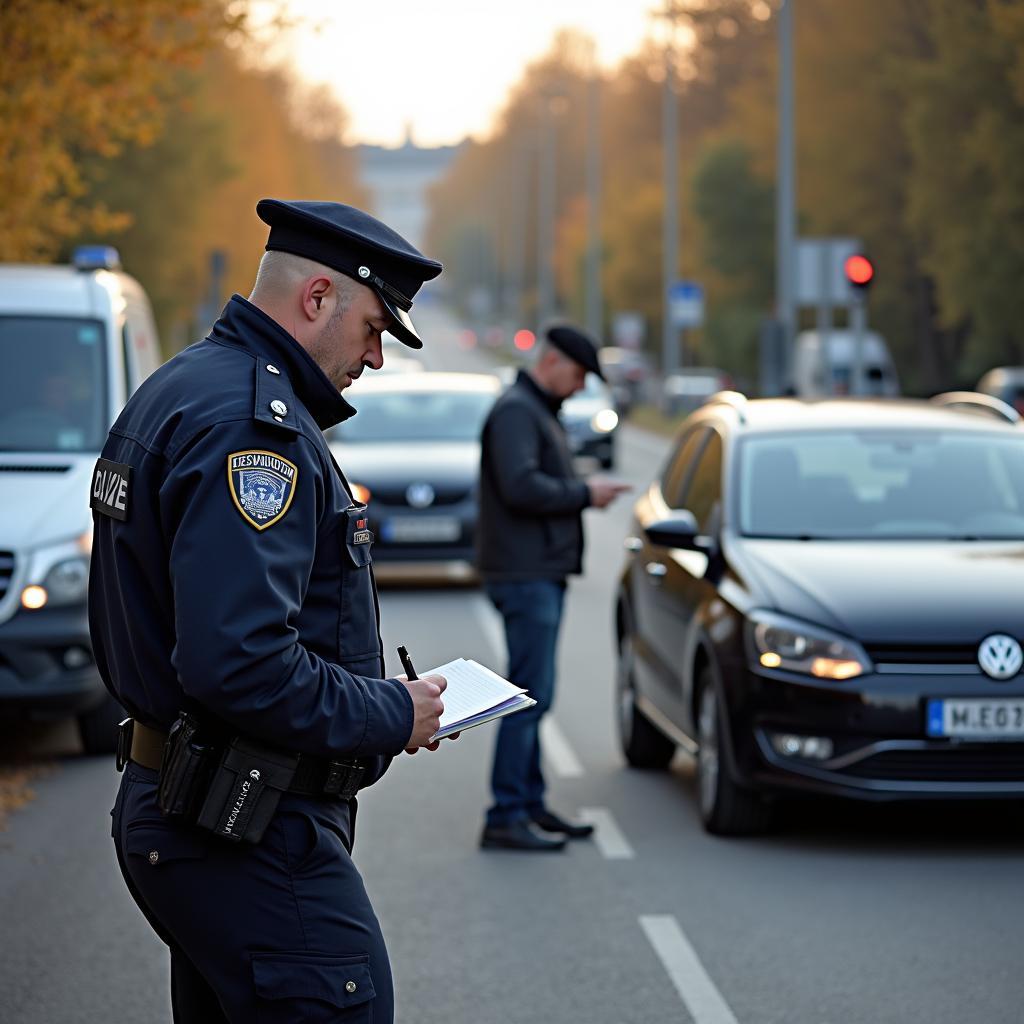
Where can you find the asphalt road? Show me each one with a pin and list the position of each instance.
(844, 914)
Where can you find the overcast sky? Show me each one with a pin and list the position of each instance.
(443, 66)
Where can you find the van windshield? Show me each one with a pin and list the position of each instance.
(53, 384)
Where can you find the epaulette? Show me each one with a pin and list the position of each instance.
(275, 402)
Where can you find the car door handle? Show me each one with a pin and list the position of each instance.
(633, 544)
(656, 570)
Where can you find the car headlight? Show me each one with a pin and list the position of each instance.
(59, 574)
(775, 641)
(605, 421)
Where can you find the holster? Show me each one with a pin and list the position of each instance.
(185, 770)
(245, 790)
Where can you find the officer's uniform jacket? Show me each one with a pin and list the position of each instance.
(230, 564)
(531, 500)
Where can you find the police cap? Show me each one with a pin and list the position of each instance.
(357, 245)
(576, 345)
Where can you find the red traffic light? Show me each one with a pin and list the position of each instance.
(860, 271)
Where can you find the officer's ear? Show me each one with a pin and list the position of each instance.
(313, 295)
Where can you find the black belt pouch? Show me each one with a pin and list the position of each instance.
(245, 790)
(185, 770)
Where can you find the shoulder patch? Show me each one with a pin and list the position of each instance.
(262, 486)
(111, 488)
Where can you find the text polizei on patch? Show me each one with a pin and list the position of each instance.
(262, 486)
(111, 489)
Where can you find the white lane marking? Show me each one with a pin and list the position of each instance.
(608, 837)
(557, 752)
(490, 625)
(680, 960)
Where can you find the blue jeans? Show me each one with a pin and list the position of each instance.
(532, 610)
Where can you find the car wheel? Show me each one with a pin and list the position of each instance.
(726, 808)
(642, 744)
(98, 727)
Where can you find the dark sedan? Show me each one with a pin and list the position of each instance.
(826, 597)
(412, 454)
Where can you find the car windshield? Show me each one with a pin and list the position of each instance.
(415, 416)
(883, 485)
(52, 390)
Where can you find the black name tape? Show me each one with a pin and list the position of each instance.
(111, 487)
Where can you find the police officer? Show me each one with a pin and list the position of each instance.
(231, 580)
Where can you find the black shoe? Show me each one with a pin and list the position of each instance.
(517, 836)
(553, 823)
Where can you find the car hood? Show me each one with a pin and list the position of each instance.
(893, 591)
(392, 462)
(40, 503)
(575, 409)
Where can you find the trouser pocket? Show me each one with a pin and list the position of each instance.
(312, 988)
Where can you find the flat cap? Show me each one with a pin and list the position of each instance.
(357, 245)
(577, 345)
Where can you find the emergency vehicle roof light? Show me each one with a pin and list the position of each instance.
(96, 257)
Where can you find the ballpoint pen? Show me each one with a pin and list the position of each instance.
(410, 672)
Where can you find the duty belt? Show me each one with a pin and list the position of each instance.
(314, 776)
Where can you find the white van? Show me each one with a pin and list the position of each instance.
(75, 342)
(824, 365)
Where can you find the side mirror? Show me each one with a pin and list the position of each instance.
(678, 531)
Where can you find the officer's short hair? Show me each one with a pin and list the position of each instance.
(279, 269)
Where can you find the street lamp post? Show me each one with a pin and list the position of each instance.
(785, 201)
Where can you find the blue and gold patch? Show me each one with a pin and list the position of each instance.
(262, 486)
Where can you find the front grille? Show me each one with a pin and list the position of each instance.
(6, 571)
(1002, 763)
(395, 496)
(15, 468)
(923, 654)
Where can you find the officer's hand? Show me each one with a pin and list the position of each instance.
(604, 492)
(427, 709)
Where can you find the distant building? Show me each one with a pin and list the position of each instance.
(398, 181)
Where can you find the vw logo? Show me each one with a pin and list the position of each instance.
(420, 495)
(1000, 656)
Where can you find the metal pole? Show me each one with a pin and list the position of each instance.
(517, 255)
(670, 222)
(546, 216)
(785, 197)
(859, 323)
(593, 299)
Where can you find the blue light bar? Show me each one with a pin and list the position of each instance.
(96, 257)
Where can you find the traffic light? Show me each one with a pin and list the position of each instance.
(860, 271)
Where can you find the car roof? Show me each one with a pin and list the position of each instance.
(429, 380)
(795, 414)
(58, 290)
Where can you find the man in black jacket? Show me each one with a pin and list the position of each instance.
(530, 538)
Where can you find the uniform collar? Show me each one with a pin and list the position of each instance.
(246, 326)
(552, 402)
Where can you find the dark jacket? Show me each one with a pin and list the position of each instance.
(233, 567)
(530, 526)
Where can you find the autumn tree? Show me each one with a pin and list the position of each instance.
(85, 79)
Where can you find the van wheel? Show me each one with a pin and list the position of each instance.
(726, 808)
(642, 744)
(98, 727)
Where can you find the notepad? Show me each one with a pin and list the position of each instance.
(475, 695)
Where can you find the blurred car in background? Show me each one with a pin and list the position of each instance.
(1005, 383)
(75, 342)
(412, 455)
(824, 597)
(628, 373)
(591, 422)
(398, 358)
(686, 390)
(827, 364)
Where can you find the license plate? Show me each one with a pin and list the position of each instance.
(421, 529)
(1000, 718)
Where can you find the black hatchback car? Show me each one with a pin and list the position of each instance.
(829, 597)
